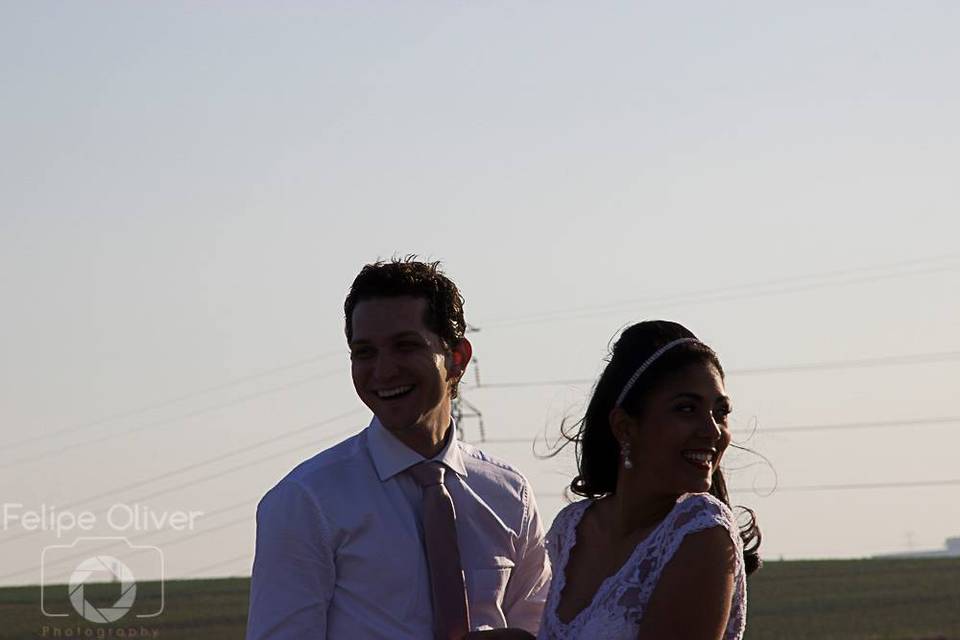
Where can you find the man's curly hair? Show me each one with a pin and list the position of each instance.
(409, 276)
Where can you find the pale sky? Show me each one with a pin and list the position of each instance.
(187, 190)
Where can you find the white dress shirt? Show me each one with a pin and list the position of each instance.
(340, 545)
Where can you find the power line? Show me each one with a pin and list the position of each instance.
(176, 399)
(880, 424)
(178, 540)
(691, 296)
(151, 425)
(748, 290)
(855, 486)
(792, 489)
(203, 463)
(694, 296)
(767, 491)
(861, 363)
(138, 538)
(840, 426)
(860, 486)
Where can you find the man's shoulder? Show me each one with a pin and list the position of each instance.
(493, 469)
(325, 467)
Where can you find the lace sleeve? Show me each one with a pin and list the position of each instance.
(694, 512)
(561, 530)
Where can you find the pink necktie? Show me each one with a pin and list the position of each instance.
(451, 617)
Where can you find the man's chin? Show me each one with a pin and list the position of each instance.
(398, 427)
(397, 424)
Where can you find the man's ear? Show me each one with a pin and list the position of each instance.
(460, 356)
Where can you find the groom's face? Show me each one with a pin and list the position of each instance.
(400, 368)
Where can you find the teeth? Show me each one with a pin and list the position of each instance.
(698, 456)
(389, 393)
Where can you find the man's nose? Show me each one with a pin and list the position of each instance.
(386, 366)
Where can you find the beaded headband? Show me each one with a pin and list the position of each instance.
(646, 365)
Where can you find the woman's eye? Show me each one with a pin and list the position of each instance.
(360, 354)
(686, 408)
(408, 346)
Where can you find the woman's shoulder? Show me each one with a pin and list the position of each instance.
(570, 515)
(702, 506)
(695, 513)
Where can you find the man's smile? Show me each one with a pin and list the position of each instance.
(394, 392)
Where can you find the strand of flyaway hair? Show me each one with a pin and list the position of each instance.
(165, 421)
(203, 463)
(302, 362)
(189, 395)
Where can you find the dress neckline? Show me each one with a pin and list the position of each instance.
(570, 541)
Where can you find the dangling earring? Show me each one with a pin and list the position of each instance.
(625, 452)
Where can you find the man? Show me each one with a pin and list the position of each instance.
(402, 531)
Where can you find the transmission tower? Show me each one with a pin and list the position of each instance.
(463, 409)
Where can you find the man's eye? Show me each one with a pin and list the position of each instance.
(360, 354)
(686, 408)
(408, 345)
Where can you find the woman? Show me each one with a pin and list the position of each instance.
(655, 552)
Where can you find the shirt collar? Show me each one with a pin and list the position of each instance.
(390, 456)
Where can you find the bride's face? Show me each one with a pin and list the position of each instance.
(680, 434)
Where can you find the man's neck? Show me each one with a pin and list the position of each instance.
(427, 439)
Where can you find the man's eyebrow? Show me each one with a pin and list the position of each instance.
(395, 336)
(406, 334)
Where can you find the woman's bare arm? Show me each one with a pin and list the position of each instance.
(693, 597)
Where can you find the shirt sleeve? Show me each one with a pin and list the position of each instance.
(293, 570)
(530, 580)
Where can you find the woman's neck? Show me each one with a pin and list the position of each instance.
(635, 511)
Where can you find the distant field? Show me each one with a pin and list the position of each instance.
(830, 600)
(827, 600)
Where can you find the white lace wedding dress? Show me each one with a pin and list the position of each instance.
(622, 598)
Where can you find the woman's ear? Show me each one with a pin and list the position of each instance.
(620, 423)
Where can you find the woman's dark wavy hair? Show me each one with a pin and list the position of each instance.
(597, 450)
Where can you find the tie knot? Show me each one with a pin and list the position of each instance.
(428, 473)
